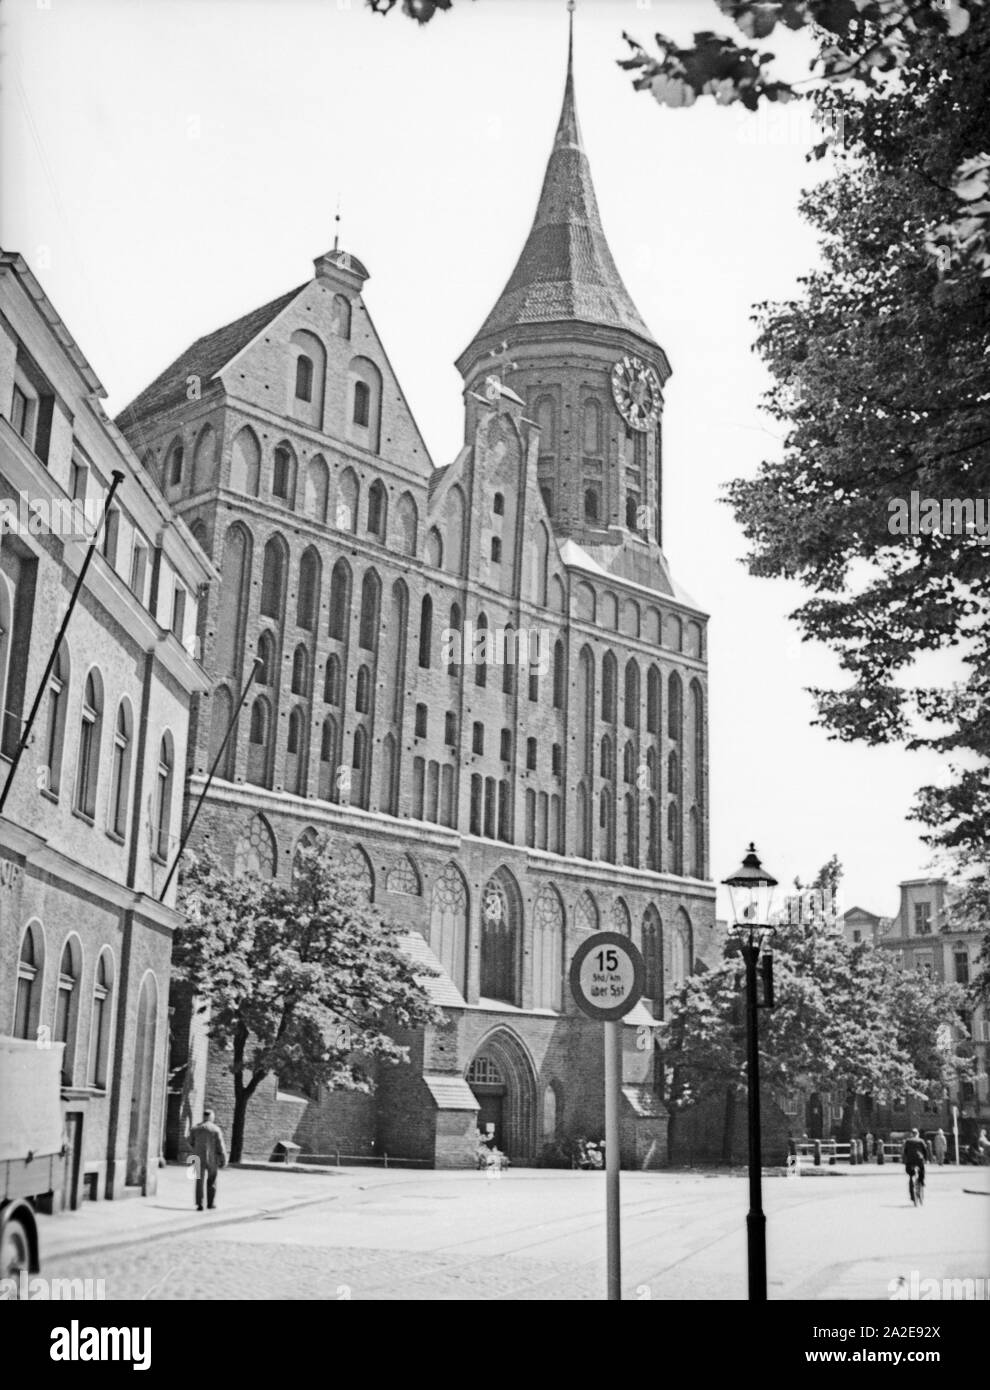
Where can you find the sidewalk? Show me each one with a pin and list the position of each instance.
(242, 1194)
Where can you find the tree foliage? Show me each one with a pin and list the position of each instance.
(845, 1015)
(301, 977)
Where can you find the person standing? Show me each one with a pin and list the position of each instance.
(211, 1155)
(940, 1145)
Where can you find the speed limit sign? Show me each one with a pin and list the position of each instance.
(607, 975)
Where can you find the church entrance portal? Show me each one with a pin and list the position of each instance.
(502, 1079)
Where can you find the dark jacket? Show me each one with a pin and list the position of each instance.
(915, 1153)
(208, 1146)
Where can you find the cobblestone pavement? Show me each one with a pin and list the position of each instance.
(442, 1236)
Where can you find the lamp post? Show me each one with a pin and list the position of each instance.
(751, 892)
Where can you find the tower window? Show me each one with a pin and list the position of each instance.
(555, 759)
(505, 746)
(591, 508)
(478, 738)
(280, 476)
(304, 378)
(450, 729)
(531, 754)
(420, 721)
(362, 403)
(632, 511)
(496, 550)
(498, 506)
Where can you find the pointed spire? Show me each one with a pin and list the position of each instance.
(566, 271)
(568, 130)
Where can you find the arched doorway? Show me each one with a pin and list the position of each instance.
(144, 1074)
(503, 1080)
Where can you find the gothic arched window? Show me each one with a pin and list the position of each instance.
(500, 956)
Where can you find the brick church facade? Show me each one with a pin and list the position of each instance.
(480, 679)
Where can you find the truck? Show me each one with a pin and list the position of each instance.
(32, 1148)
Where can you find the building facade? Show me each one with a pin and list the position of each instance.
(481, 679)
(91, 814)
(922, 936)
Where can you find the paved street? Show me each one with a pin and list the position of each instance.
(366, 1234)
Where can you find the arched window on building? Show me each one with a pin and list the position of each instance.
(245, 462)
(300, 670)
(308, 594)
(164, 785)
(90, 736)
(234, 601)
(259, 734)
(58, 699)
(631, 702)
(586, 916)
(284, 475)
(273, 579)
(265, 674)
(101, 1022)
(328, 760)
(652, 949)
(120, 771)
(408, 523)
(448, 924)
(500, 946)
(653, 700)
(559, 674)
(371, 598)
(425, 632)
(317, 489)
(610, 685)
(377, 510)
(340, 600)
(304, 378)
(362, 696)
(254, 851)
(331, 681)
(347, 501)
(30, 982)
(360, 769)
(67, 1006)
(548, 948)
(675, 729)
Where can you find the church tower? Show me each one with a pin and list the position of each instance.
(588, 368)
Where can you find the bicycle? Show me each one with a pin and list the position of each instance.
(916, 1186)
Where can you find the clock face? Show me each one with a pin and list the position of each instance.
(636, 391)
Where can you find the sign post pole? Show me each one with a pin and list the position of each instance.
(613, 1079)
(607, 976)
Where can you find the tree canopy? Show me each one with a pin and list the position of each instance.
(301, 977)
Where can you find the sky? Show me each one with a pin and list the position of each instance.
(168, 165)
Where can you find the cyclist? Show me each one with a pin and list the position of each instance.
(914, 1155)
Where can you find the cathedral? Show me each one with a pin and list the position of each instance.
(481, 679)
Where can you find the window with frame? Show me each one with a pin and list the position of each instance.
(100, 1022)
(531, 754)
(139, 568)
(120, 772)
(29, 984)
(89, 747)
(478, 737)
(420, 721)
(65, 1010)
(505, 746)
(922, 919)
(163, 798)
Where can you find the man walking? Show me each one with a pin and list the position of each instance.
(211, 1155)
(941, 1146)
(914, 1154)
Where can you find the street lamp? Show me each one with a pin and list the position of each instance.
(751, 892)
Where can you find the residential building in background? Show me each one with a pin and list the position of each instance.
(91, 817)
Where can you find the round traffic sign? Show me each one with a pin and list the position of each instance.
(607, 976)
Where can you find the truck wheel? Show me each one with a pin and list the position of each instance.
(15, 1248)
